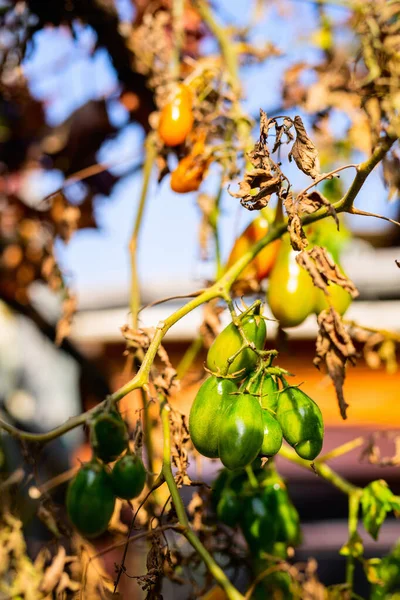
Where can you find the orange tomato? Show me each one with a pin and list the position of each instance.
(176, 119)
(190, 171)
(261, 266)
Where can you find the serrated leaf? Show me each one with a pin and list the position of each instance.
(377, 500)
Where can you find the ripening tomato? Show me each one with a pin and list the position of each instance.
(176, 119)
(191, 169)
(291, 292)
(261, 266)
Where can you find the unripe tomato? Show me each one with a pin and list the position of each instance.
(260, 267)
(291, 292)
(241, 432)
(108, 435)
(90, 499)
(301, 422)
(258, 520)
(213, 397)
(229, 341)
(338, 297)
(128, 477)
(229, 508)
(272, 440)
(176, 119)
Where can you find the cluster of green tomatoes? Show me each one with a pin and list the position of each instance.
(92, 492)
(246, 407)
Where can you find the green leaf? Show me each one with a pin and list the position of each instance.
(377, 500)
(354, 547)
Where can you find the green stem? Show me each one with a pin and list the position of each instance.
(321, 469)
(215, 570)
(343, 449)
(150, 156)
(354, 507)
(214, 217)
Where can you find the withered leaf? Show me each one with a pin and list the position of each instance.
(304, 152)
(334, 348)
(323, 269)
(297, 236)
(391, 174)
(315, 200)
(179, 448)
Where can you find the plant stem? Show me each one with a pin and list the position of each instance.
(354, 506)
(321, 469)
(340, 450)
(214, 217)
(150, 156)
(215, 570)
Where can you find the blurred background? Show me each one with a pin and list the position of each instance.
(71, 104)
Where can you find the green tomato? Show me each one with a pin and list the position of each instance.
(272, 440)
(90, 499)
(213, 397)
(258, 520)
(339, 298)
(128, 477)
(108, 435)
(229, 341)
(229, 508)
(301, 421)
(241, 432)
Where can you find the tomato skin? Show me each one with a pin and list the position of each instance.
(90, 499)
(241, 432)
(301, 421)
(258, 522)
(176, 119)
(108, 435)
(260, 267)
(128, 477)
(213, 397)
(228, 342)
(272, 440)
(229, 508)
(291, 292)
(339, 298)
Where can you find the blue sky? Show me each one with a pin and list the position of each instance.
(65, 73)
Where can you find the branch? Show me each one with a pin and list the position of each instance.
(150, 156)
(321, 469)
(215, 570)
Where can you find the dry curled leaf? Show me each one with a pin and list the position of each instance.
(335, 349)
(313, 201)
(323, 270)
(373, 453)
(179, 448)
(297, 236)
(304, 152)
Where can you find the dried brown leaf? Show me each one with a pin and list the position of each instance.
(297, 236)
(315, 200)
(304, 152)
(335, 349)
(52, 574)
(180, 447)
(323, 270)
